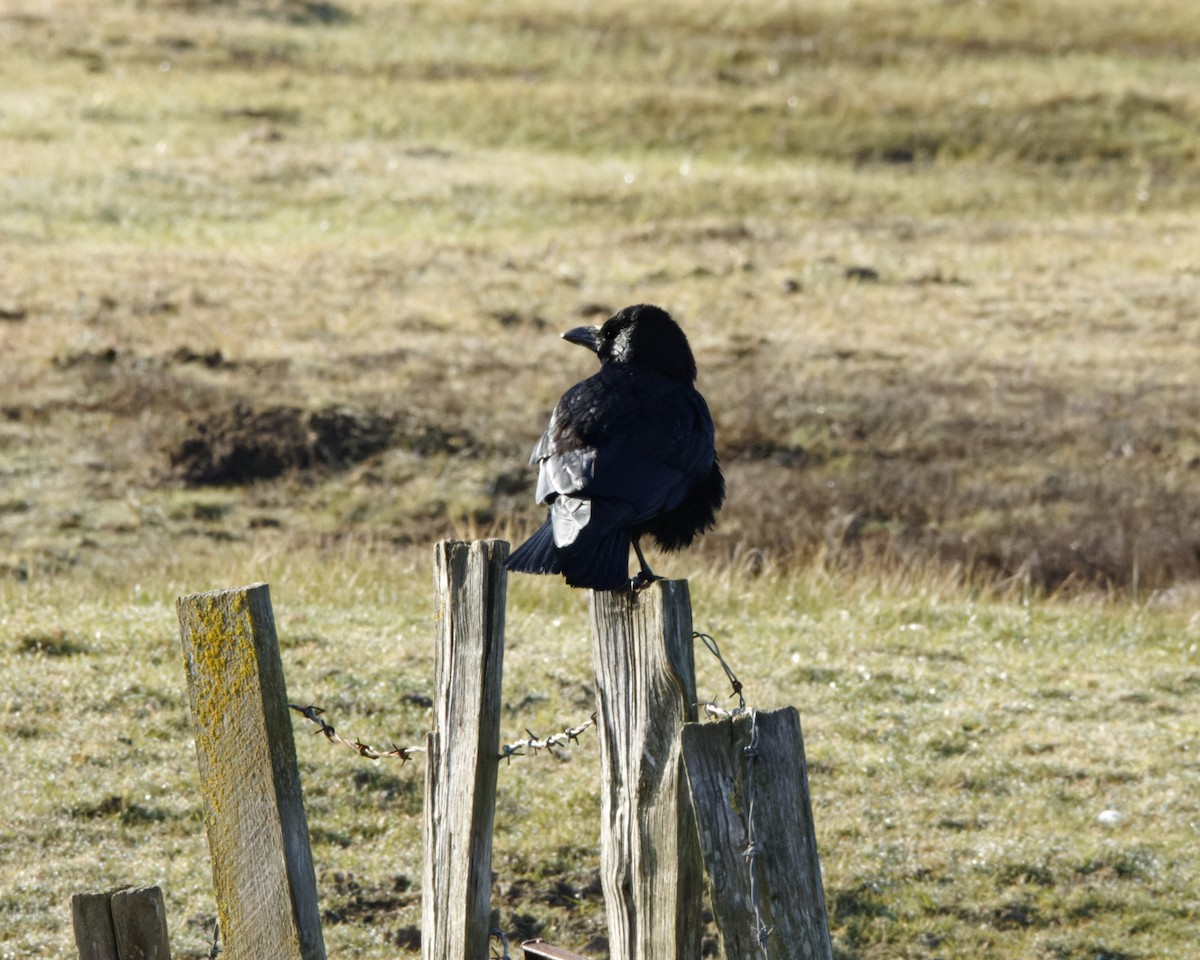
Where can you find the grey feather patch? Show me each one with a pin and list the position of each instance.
(568, 516)
(565, 473)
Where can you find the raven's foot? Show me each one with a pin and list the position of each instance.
(643, 579)
(645, 575)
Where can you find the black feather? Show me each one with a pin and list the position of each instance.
(537, 554)
(628, 452)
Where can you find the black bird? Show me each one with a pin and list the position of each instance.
(628, 452)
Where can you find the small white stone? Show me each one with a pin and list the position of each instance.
(1109, 818)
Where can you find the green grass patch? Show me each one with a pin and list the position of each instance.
(962, 751)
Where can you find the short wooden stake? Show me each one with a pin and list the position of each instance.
(263, 876)
(91, 916)
(791, 898)
(650, 866)
(140, 921)
(470, 585)
(129, 923)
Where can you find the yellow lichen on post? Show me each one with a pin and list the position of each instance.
(221, 663)
(224, 654)
(263, 876)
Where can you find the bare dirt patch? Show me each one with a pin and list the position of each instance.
(242, 445)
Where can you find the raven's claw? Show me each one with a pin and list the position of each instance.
(643, 579)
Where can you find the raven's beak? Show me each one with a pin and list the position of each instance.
(584, 336)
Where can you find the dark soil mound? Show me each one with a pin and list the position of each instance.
(242, 445)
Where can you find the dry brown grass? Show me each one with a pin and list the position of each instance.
(975, 349)
(1015, 398)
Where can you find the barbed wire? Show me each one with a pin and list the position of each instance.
(516, 748)
(534, 743)
(750, 752)
(498, 934)
(711, 642)
(215, 947)
(313, 713)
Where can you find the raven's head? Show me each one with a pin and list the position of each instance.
(644, 335)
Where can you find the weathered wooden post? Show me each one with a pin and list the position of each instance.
(129, 923)
(140, 920)
(91, 917)
(471, 587)
(263, 876)
(646, 690)
(749, 786)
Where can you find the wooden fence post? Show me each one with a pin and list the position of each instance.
(140, 921)
(263, 876)
(91, 916)
(771, 780)
(470, 584)
(650, 865)
(129, 923)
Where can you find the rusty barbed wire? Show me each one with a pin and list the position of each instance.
(534, 743)
(517, 748)
(313, 713)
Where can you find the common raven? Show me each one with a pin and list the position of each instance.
(628, 452)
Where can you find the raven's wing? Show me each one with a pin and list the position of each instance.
(622, 446)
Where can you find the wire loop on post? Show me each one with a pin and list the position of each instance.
(711, 642)
(754, 847)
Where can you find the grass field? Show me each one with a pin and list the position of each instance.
(280, 289)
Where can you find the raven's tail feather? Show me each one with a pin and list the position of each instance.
(603, 565)
(538, 554)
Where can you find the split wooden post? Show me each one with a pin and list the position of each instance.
(266, 889)
(755, 762)
(462, 762)
(650, 866)
(129, 923)
(91, 917)
(140, 921)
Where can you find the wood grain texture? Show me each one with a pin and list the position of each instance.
(789, 871)
(470, 586)
(91, 918)
(645, 691)
(140, 920)
(263, 874)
